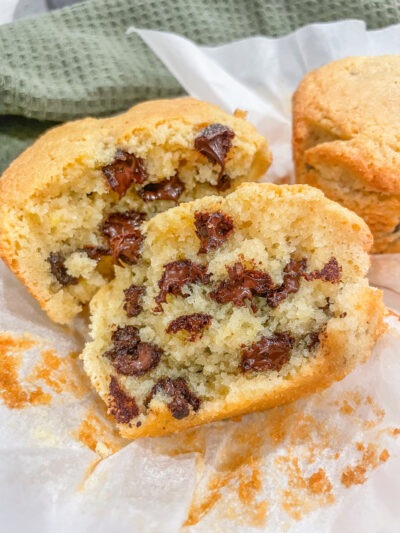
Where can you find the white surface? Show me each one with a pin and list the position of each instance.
(7, 8)
(140, 490)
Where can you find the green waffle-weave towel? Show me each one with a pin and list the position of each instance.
(79, 61)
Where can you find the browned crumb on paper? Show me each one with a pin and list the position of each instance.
(98, 435)
(389, 312)
(304, 493)
(370, 459)
(244, 483)
(13, 393)
(234, 489)
(97, 431)
(188, 441)
(50, 374)
(237, 478)
(60, 374)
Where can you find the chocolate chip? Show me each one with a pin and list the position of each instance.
(343, 315)
(242, 284)
(123, 236)
(130, 356)
(169, 189)
(330, 272)
(125, 169)
(125, 339)
(95, 252)
(59, 271)
(194, 324)
(293, 271)
(176, 275)
(224, 183)
(396, 228)
(214, 142)
(212, 229)
(122, 406)
(182, 397)
(117, 223)
(133, 295)
(144, 357)
(269, 353)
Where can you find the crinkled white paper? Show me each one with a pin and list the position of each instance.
(46, 478)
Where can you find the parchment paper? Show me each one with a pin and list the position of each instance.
(328, 463)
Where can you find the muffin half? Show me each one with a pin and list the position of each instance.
(236, 304)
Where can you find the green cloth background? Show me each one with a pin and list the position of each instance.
(78, 61)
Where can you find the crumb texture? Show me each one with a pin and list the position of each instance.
(280, 307)
(80, 194)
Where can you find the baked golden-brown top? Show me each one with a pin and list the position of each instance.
(346, 139)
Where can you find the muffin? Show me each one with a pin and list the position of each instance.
(236, 304)
(71, 206)
(346, 140)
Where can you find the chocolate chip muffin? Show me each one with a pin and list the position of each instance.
(72, 205)
(346, 140)
(236, 304)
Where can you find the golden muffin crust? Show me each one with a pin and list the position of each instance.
(346, 140)
(56, 198)
(237, 304)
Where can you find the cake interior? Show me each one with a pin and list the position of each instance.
(147, 172)
(305, 280)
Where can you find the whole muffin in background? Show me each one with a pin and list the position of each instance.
(71, 206)
(346, 140)
(236, 304)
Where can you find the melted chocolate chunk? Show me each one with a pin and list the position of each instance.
(133, 295)
(130, 356)
(143, 358)
(212, 229)
(123, 236)
(176, 275)
(125, 339)
(120, 223)
(293, 271)
(194, 324)
(125, 169)
(122, 406)
(169, 189)
(242, 284)
(224, 183)
(214, 142)
(96, 252)
(269, 353)
(182, 397)
(57, 267)
(330, 272)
